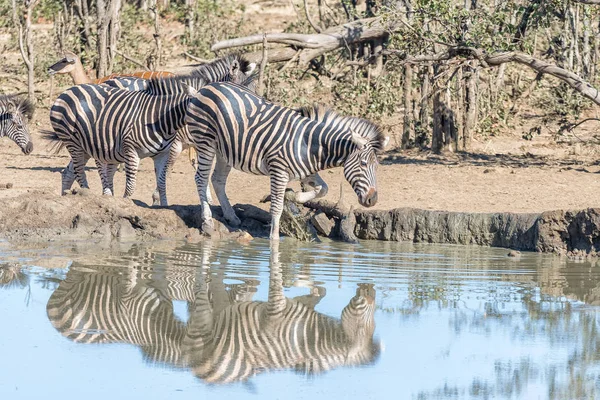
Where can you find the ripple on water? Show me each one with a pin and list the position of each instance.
(419, 321)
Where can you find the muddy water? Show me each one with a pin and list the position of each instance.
(231, 321)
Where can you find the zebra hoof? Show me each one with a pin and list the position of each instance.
(233, 221)
(208, 227)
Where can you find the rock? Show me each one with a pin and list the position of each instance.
(514, 253)
(193, 236)
(323, 224)
(347, 226)
(244, 237)
(6, 185)
(124, 231)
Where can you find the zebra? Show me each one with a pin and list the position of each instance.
(223, 340)
(15, 113)
(115, 126)
(246, 132)
(253, 337)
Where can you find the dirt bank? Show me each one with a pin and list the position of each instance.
(40, 216)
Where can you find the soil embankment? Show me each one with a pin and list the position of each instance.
(39, 216)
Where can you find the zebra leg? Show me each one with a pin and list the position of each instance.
(111, 169)
(278, 185)
(103, 172)
(314, 181)
(219, 180)
(205, 160)
(67, 178)
(132, 164)
(79, 162)
(162, 163)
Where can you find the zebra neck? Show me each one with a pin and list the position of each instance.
(330, 147)
(169, 114)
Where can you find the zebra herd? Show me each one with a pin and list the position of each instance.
(226, 337)
(215, 110)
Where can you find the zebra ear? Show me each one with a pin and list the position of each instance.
(189, 90)
(251, 68)
(358, 140)
(235, 68)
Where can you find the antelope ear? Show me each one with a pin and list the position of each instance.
(358, 140)
(386, 141)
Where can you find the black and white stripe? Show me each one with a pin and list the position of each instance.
(116, 122)
(15, 113)
(224, 340)
(244, 131)
(249, 338)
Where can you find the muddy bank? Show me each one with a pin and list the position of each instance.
(40, 216)
(574, 233)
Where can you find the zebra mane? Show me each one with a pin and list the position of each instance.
(221, 69)
(20, 104)
(363, 127)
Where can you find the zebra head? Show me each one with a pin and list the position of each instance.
(360, 168)
(64, 65)
(358, 323)
(230, 68)
(15, 113)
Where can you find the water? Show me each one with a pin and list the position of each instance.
(183, 321)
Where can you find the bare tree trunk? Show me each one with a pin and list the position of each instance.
(114, 30)
(25, 43)
(586, 57)
(460, 116)
(103, 21)
(190, 18)
(83, 14)
(437, 137)
(408, 131)
(157, 38)
(421, 138)
(470, 107)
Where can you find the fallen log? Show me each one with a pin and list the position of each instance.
(316, 44)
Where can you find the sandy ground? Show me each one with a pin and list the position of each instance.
(501, 174)
(516, 176)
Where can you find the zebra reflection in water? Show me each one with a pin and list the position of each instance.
(223, 340)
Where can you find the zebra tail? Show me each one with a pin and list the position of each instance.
(56, 143)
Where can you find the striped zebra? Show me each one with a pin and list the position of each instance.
(223, 340)
(249, 338)
(116, 126)
(15, 113)
(97, 304)
(246, 132)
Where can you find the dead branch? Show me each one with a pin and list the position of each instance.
(193, 57)
(317, 44)
(309, 18)
(495, 59)
(133, 60)
(263, 64)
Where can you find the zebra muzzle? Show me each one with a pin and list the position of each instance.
(369, 199)
(28, 148)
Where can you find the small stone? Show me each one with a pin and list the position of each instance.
(514, 253)
(193, 236)
(488, 170)
(244, 237)
(322, 223)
